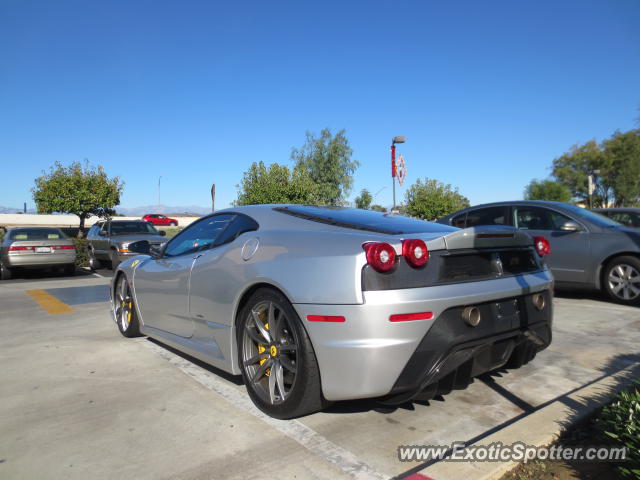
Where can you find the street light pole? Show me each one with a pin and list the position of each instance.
(395, 140)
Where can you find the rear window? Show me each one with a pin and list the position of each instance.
(37, 234)
(367, 220)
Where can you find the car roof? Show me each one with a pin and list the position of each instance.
(617, 209)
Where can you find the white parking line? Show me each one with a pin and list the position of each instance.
(305, 436)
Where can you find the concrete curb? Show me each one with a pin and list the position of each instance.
(539, 428)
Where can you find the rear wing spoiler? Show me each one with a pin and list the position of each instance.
(487, 236)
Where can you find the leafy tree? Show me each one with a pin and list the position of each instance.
(276, 184)
(364, 200)
(623, 150)
(572, 169)
(327, 159)
(547, 190)
(433, 199)
(378, 208)
(77, 189)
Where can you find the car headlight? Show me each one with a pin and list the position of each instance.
(124, 248)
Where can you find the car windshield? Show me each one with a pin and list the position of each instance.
(364, 220)
(132, 228)
(595, 218)
(37, 234)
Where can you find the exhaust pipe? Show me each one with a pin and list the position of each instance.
(471, 316)
(538, 301)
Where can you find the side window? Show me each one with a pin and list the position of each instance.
(488, 216)
(460, 221)
(237, 227)
(623, 218)
(198, 236)
(537, 218)
(93, 231)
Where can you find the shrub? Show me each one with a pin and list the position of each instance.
(619, 422)
(82, 253)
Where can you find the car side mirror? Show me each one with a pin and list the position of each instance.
(156, 250)
(163, 233)
(141, 246)
(570, 226)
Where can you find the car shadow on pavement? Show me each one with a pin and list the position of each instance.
(48, 274)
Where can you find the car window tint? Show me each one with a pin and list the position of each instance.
(538, 218)
(626, 218)
(487, 216)
(133, 228)
(198, 236)
(460, 221)
(37, 234)
(237, 227)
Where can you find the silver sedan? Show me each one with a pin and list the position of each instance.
(36, 248)
(312, 305)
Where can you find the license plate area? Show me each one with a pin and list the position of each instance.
(43, 250)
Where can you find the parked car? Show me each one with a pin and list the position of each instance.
(36, 248)
(629, 217)
(109, 241)
(588, 250)
(312, 305)
(157, 219)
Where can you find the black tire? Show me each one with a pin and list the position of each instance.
(293, 359)
(125, 309)
(173, 224)
(113, 260)
(621, 280)
(5, 272)
(94, 263)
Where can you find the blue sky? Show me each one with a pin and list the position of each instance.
(487, 93)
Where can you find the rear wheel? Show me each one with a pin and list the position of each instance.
(621, 280)
(278, 364)
(125, 309)
(5, 272)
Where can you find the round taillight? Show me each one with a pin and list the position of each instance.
(380, 255)
(542, 246)
(415, 252)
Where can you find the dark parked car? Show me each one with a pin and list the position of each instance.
(629, 217)
(588, 250)
(109, 241)
(36, 248)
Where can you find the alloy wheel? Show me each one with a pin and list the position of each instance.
(269, 354)
(123, 304)
(624, 281)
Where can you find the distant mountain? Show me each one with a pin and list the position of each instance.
(15, 210)
(165, 209)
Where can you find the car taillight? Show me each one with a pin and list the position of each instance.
(21, 249)
(63, 247)
(380, 255)
(415, 252)
(542, 246)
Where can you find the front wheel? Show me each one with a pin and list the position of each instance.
(125, 309)
(94, 263)
(621, 280)
(173, 224)
(278, 364)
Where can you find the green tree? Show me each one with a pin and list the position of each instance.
(378, 208)
(547, 190)
(276, 184)
(433, 199)
(572, 169)
(364, 200)
(327, 159)
(77, 189)
(623, 151)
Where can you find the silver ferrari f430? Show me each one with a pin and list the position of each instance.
(313, 304)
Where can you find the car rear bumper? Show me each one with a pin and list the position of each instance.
(40, 260)
(367, 355)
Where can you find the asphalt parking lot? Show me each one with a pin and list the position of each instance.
(78, 400)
